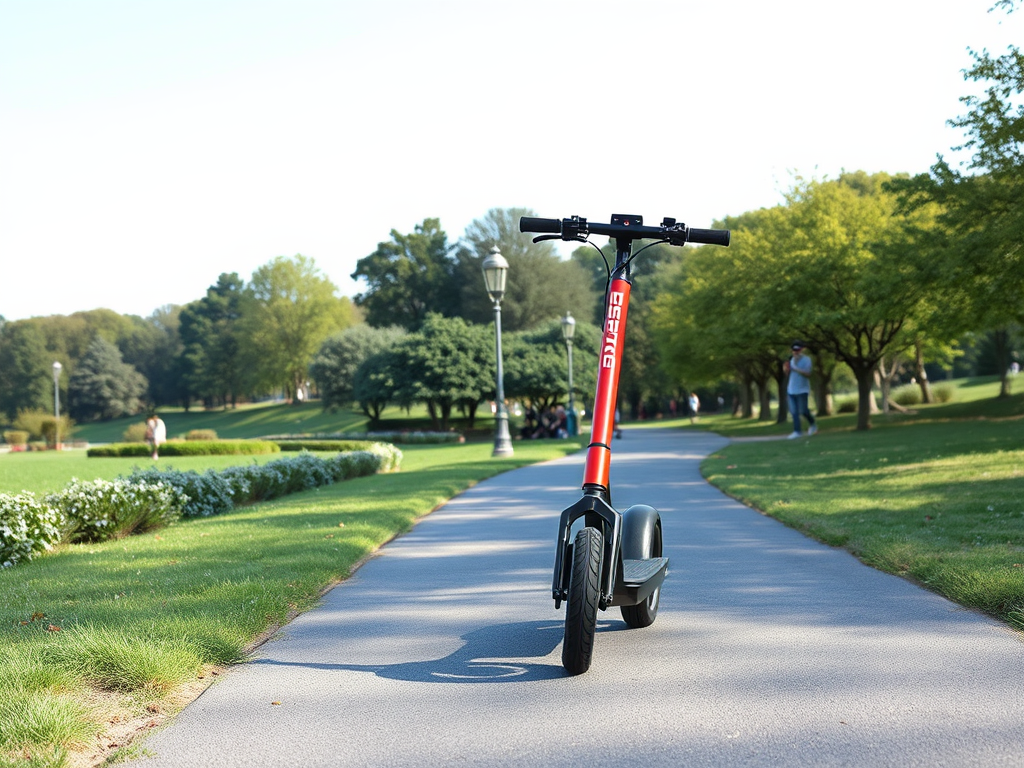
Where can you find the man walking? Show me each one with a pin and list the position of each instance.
(799, 389)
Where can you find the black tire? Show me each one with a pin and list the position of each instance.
(644, 614)
(581, 607)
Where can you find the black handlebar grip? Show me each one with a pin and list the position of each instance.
(708, 236)
(547, 226)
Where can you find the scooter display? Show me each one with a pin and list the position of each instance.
(613, 559)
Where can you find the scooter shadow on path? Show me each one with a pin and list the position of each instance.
(500, 653)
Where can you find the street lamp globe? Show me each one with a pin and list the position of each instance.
(568, 327)
(495, 268)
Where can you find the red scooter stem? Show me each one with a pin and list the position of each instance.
(599, 452)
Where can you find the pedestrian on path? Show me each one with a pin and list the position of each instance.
(156, 434)
(799, 368)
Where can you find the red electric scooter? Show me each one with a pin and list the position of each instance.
(614, 559)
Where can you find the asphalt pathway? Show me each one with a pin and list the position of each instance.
(769, 650)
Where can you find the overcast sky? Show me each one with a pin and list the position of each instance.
(146, 147)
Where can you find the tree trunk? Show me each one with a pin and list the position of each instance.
(746, 396)
(865, 399)
(821, 382)
(471, 412)
(780, 382)
(921, 374)
(432, 410)
(764, 396)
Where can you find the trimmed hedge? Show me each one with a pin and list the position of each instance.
(214, 492)
(154, 497)
(193, 448)
(16, 437)
(387, 437)
(323, 445)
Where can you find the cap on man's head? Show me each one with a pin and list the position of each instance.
(797, 345)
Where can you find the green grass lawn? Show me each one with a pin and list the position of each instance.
(260, 419)
(118, 629)
(938, 498)
(47, 471)
(936, 495)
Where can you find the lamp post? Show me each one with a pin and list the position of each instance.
(56, 404)
(495, 268)
(568, 331)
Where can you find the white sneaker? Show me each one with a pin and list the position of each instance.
(793, 436)
(813, 430)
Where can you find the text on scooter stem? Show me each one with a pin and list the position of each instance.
(611, 329)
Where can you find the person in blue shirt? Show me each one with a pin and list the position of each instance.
(799, 389)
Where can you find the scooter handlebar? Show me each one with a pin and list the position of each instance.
(708, 236)
(545, 226)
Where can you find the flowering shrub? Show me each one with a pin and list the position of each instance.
(215, 491)
(207, 493)
(26, 528)
(151, 498)
(102, 509)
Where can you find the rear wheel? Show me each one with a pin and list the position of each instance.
(581, 607)
(644, 614)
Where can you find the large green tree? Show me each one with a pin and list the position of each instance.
(409, 277)
(446, 364)
(540, 286)
(980, 240)
(25, 369)
(211, 356)
(536, 365)
(289, 308)
(103, 386)
(337, 362)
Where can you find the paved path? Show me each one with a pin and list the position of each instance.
(768, 650)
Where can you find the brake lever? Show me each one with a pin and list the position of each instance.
(578, 239)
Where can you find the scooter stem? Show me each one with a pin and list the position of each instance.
(599, 452)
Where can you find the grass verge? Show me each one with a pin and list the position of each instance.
(100, 638)
(935, 500)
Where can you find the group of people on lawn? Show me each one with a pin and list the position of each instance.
(553, 422)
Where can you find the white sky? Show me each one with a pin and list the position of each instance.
(146, 147)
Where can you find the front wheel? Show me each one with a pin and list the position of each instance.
(581, 607)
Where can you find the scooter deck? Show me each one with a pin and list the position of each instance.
(638, 572)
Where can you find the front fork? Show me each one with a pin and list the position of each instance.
(595, 506)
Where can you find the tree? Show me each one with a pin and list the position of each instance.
(980, 241)
(723, 312)
(540, 285)
(103, 386)
(409, 277)
(447, 363)
(335, 367)
(25, 369)
(211, 355)
(376, 382)
(859, 285)
(153, 348)
(536, 364)
(288, 309)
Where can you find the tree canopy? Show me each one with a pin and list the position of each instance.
(103, 386)
(409, 277)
